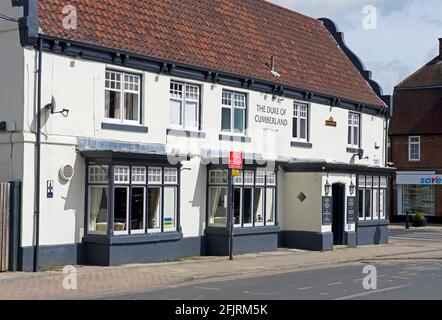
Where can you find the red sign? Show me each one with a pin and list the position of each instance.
(235, 160)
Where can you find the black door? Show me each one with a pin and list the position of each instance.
(338, 193)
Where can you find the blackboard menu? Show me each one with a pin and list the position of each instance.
(327, 210)
(351, 209)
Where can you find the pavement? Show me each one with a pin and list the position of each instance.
(102, 282)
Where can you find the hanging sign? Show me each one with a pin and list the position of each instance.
(331, 122)
(236, 160)
(236, 173)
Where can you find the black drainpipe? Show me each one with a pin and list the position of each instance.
(38, 158)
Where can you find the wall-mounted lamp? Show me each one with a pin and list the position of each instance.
(52, 107)
(327, 188)
(352, 188)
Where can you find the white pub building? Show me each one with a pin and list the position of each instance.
(118, 119)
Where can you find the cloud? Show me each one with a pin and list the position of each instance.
(431, 21)
(389, 74)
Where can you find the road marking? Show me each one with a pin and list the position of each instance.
(398, 277)
(367, 293)
(207, 288)
(306, 288)
(334, 283)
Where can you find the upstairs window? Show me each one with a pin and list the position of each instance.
(354, 130)
(123, 97)
(414, 148)
(300, 122)
(233, 112)
(184, 105)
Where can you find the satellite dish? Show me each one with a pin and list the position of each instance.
(52, 106)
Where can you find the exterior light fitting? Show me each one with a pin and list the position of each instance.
(352, 188)
(327, 188)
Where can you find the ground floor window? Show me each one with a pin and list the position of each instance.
(253, 198)
(144, 199)
(418, 198)
(372, 197)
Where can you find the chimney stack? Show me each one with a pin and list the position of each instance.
(440, 48)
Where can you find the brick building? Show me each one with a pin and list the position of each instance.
(416, 142)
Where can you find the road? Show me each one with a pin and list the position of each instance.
(395, 280)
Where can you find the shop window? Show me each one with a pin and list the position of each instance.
(123, 97)
(354, 129)
(372, 198)
(419, 198)
(138, 203)
(414, 148)
(184, 105)
(300, 122)
(254, 200)
(233, 112)
(98, 209)
(218, 206)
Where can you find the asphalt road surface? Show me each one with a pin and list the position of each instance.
(395, 280)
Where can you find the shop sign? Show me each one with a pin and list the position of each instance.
(236, 160)
(236, 173)
(327, 210)
(50, 189)
(331, 122)
(418, 179)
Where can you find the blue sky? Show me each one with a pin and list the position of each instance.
(406, 36)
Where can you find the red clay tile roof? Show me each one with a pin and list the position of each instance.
(429, 75)
(232, 36)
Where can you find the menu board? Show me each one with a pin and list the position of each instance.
(351, 210)
(327, 210)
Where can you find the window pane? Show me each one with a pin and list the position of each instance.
(120, 209)
(260, 177)
(303, 129)
(375, 204)
(170, 207)
(138, 175)
(154, 208)
(248, 205)
(137, 209)
(155, 175)
(271, 178)
(98, 213)
(350, 141)
(218, 205)
(361, 203)
(419, 198)
(367, 207)
(218, 177)
(175, 112)
(295, 127)
(112, 107)
(227, 98)
(382, 204)
(248, 177)
(191, 114)
(121, 175)
(239, 120)
(258, 205)
(131, 107)
(226, 119)
(270, 205)
(356, 136)
(98, 174)
(237, 206)
(170, 176)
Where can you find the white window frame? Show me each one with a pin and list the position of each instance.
(149, 182)
(160, 218)
(122, 92)
(89, 230)
(352, 117)
(270, 223)
(263, 195)
(218, 177)
(170, 173)
(414, 143)
(126, 232)
(252, 218)
(301, 112)
(226, 189)
(239, 225)
(183, 99)
(233, 108)
(142, 175)
(139, 231)
(175, 190)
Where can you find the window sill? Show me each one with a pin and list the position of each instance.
(186, 133)
(233, 138)
(370, 223)
(134, 238)
(353, 150)
(305, 145)
(124, 127)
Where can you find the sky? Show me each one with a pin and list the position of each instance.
(393, 38)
